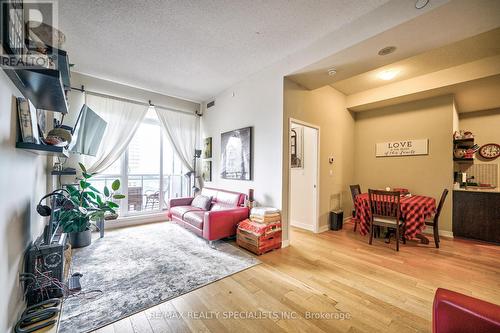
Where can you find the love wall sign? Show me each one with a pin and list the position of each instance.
(403, 148)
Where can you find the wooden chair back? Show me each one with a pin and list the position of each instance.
(355, 190)
(385, 204)
(440, 205)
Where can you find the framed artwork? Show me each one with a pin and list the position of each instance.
(27, 120)
(207, 171)
(207, 148)
(236, 154)
(13, 28)
(297, 147)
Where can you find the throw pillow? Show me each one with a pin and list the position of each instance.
(202, 201)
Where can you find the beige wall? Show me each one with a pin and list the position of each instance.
(427, 175)
(486, 127)
(323, 107)
(23, 179)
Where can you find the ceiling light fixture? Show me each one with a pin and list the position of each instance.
(419, 4)
(388, 74)
(386, 50)
(332, 71)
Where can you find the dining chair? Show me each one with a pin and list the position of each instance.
(434, 221)
(355, 190)
(385, 208)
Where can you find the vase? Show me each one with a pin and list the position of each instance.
(80, 239)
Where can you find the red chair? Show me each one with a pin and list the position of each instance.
(457, 313)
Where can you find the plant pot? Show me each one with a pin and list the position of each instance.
(80, 239)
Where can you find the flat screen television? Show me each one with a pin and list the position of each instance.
(88, 132)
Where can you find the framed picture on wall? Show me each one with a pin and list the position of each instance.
(236, 154)
(297, 147)
(207, 148)
(207, 171)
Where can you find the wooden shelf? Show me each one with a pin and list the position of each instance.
(43, 87)
(463, 160)
(465, 143)
(43, 149)
(63, 173)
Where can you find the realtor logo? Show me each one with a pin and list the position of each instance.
(29, 33)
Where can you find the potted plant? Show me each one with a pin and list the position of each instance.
(87, 205)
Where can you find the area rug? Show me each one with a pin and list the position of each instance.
(139, 267)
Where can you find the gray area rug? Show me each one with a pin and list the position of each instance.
(139, 267)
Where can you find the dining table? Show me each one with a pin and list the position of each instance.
(414, 210)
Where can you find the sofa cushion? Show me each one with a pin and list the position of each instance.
(202, 201)
(179, 211)
(209, 192)
(195, 218)
(226, 200)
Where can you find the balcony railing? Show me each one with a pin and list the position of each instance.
(144, 192)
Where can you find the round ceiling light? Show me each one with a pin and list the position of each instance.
(386, 50)
(419, 4)
(388, 74)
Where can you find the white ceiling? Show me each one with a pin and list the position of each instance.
(194, 49)
(480, 46)
(445, 25)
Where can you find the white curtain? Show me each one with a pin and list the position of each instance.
(123, 119)
(181, 128)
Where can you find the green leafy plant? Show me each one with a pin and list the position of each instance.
(87, 204)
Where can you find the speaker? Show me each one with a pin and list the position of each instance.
(336, 219)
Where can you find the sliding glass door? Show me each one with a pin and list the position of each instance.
(150, 171)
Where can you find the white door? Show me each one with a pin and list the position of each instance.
(304, 177)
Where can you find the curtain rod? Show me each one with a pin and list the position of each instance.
(95, 93)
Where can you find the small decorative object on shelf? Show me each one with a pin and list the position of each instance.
(58, 137)
(464, 147)
(27, 120)
(43, 149)
(462, 135)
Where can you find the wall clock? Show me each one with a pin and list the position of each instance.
(490, 151)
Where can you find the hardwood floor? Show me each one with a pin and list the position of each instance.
(377, 288)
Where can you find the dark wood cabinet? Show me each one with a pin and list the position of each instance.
(476, 215)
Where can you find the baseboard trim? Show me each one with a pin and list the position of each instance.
(285, 243)
(323, 228)
(444, 233)
(130, 221)
(302, 226)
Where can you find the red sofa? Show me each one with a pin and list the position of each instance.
(457, 313)
(219, 222)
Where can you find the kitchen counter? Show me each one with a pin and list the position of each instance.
(479, 189)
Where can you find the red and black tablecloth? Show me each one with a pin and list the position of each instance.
(414, 210)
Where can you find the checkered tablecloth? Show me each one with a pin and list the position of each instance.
(414, 210)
